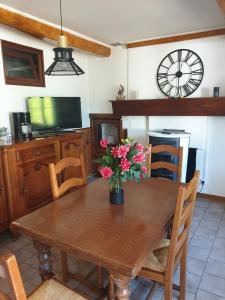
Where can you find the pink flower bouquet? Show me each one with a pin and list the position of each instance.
(122, 162)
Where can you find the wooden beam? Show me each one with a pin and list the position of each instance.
(221, 4)
(42, 30)
(177, 38)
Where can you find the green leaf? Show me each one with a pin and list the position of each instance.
(98, 160)
(109, 159)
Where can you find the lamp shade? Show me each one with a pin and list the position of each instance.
(63, 63)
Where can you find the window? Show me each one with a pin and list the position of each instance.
(22, 65)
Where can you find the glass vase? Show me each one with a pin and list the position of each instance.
(116, 196)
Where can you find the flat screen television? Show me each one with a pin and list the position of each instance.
(54, 113)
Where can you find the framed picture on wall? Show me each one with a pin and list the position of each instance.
(23, 65)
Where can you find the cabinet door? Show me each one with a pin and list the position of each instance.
(71, 146)
(35, 183)
(3, 208)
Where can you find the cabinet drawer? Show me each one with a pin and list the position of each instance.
(36, 152)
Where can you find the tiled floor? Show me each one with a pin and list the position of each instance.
(206, 258)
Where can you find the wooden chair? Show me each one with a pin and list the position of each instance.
(59, 190)
(56, 169)
(50, 289)
(175, 168)
(161, 263)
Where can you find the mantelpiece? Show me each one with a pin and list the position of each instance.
(208, 106)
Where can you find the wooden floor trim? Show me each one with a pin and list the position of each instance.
(178, 38)
(211, 197)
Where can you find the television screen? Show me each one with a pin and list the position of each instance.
(52, 113)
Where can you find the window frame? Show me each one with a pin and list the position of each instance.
(10, 49)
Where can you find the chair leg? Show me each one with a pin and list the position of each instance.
(64, 265)
(168, 290)
(111, 292)
(100, 277)
(183, 274)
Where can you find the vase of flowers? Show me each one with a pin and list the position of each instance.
(120, 163)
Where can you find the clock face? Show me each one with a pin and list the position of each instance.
(180, 73)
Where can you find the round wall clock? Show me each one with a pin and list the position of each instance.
(180, 73)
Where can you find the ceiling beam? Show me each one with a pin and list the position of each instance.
(221, 4)
(178, 38)
(41, 30)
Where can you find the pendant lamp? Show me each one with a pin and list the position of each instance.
(64, 63)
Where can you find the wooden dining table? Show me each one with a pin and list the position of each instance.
(83, 223)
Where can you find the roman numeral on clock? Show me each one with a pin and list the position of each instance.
(194, 81)
(188, 89)
(162, 75)
(164, 83)
(197, 72)
(179, 55)
(171, 59)
(188, 56)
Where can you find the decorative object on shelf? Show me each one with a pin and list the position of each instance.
(63, 62)
(122, 162)
(120, 95)
(180, 73)
(3, 131)
(5, 136)
(216, 91)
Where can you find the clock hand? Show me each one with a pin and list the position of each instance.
(179, 86)
(176, 74)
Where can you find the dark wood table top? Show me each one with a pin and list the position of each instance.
(117, 237)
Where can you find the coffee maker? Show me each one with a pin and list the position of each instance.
(22, 125)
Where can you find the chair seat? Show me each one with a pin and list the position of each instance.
(54, 290)
(157, 259)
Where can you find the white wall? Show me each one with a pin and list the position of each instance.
(105, 76)
(206, 132)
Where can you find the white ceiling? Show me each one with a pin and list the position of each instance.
(111, 21)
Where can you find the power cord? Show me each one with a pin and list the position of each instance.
(202, 183)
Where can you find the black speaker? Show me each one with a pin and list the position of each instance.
(21, 125)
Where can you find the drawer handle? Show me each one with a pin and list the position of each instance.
(39, 165)
(68, 145)
(36, 152)
(23, 190)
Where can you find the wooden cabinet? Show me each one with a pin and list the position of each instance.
(27, 175)
(26, 170)
(105, 126)
(3, 207)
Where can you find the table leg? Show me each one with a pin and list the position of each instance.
(45, 260)
(122, 287)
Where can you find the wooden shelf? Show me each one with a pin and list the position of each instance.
(210, 106)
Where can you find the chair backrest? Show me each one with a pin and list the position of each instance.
(182, 220)
(175, 168)
(55, 169)
(9, 270)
